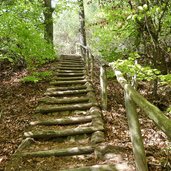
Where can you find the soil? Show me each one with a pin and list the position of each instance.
(18, 102)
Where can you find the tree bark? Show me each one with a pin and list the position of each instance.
(48, 21)
(83, 40)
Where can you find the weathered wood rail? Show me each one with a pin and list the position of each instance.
(133, 99)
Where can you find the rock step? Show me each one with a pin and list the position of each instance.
(69, 78)
(64, 121)
(70, 68)
(68, 82)
(63, 71)
(67, 88)
(71, 65)
(67, 64)
(57, 108)
(94, 168)
(67, 92)
(47, 134)
(70, 55)
(62, 152)
(70, 74)
(82, 121)
(72, 60)
(71, 100)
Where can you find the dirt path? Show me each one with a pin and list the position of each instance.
(67, 132)
(67, 129)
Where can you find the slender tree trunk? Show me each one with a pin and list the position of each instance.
(48, 21)
(82, 23)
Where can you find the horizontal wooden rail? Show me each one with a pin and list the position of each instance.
(132, 97)
(132, 100)
(89, 59)
(157, 116)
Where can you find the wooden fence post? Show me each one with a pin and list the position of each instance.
(103, 84)
(92, 67)
(78, 49)
(135, 133)
(87, 61)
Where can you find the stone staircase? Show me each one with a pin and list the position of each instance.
(67, 128)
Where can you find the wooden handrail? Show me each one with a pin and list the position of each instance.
(154, 113)
(89, 61)
(132, 100)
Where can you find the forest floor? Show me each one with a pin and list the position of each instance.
(18, 102)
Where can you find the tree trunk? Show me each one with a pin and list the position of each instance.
(82, 23)
(48, 21)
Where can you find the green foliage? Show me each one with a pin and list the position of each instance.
(129, 67)
(119, 30)
(111, 32)
(169, 109)
(37, 77)
(22, 33)
(43, 74)
(110, 74)
(165, 79)
(30, 79)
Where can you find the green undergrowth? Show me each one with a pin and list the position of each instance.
(37, 77)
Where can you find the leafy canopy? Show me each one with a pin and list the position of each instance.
(22, 32)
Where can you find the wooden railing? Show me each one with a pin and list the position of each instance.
(89, 60)
(132, 100)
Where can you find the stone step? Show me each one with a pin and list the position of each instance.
(94, 168)
(63, 71)
(72, 59)
(69, 78)
(64, 93)
(70, 68)
(60, 152)
(57, 108)
(69, 74)
(70, 56)
(71, 62)
(64, 121)
(68, 82)
(67, 88)
(70, 65)
(71, 100)
(48, 134)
